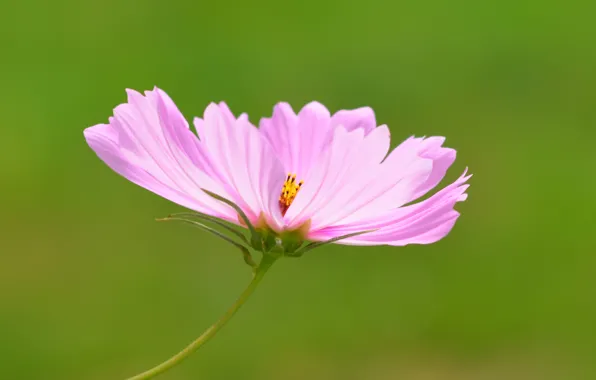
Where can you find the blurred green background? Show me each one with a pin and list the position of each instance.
(91, 287)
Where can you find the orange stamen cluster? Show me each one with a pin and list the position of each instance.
(288, 192)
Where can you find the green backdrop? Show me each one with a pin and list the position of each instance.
(91, 287)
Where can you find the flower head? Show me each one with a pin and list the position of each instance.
(324, 175)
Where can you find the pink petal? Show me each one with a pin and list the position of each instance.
(363, 117)
(415, 166)
(245, 162)
(421, 223)
(442, 158)
(379, 188)
(357, 166)
(282, 133)
(306, 144)
(104, 140)
(326, 178)
(149, 143)
(298, 140)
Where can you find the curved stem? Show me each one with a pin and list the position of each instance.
(264, 265)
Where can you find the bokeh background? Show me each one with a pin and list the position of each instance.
(91, 287)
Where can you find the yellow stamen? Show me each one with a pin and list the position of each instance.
(288, 192)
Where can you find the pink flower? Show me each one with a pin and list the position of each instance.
(325, 175)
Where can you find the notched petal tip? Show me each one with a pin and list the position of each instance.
(131, 94)
(224, 106)
(464, 177)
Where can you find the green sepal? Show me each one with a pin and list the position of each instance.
(318, 244)
(268, 240)
(291, 242)
(245, 252)
(214, 220)
(255, 238)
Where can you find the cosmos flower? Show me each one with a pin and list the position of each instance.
(319, 176)
(306, 176)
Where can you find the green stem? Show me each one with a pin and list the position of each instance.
(264, 265)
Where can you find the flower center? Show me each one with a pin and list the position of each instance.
(288, 192)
